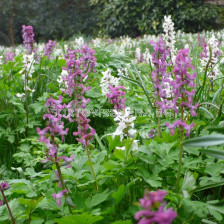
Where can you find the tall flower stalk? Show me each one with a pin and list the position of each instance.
(55, 127)
(4, 186)
(169, 37)
(161, 79)
(78, 64)
(28, 41)
(183, 91)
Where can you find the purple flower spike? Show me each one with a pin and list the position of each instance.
(49, 47)
(9, 56)
(28, 38)
(115, 97)
(154, 209)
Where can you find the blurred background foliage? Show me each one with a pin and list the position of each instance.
(58, 19)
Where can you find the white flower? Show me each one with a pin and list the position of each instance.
(215, 52)
(20, 95)
(31, 91)
(28, 67)
(138, 54)
(1, 60)
(123, 71)
(79, 42)
(107, 80)
(96, 42)
(125, 124)
(61, 80)
(147, 57)
(169, 36)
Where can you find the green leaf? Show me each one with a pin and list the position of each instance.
(97, 199)
(213, 152)
(84, 218)
(205, 141)
(38, 107)
(123, 222)
(207, 186)
(119, 194)
(188, 184)
(154, 181)
(113, 142)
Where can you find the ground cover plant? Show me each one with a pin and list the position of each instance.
(113, 130)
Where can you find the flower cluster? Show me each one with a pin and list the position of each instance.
(169, 36)
(27, 71)
(79, 42)
(9, 56)
(28, 38)
(49, 47)
(125, 125)
(115, 96)
(55, 127)
(147, 57)
(78, 64)
(108, 80)
(154, 209)
(83, 128)
(184, 89)
(161, 79)
(138, 55)
(211, 54)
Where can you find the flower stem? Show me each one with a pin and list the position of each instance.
(27, 109)
(6, 202)
(91, 166)
(181, 148)
(62, 182)
(158, 115)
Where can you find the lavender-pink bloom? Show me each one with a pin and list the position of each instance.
(161, 78)
(9, 56)
(151, 202)
(115, 97)
(28, 38)
(49, 47)
(4, 186)
(58, 197)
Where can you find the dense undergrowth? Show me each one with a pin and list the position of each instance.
(151, 119)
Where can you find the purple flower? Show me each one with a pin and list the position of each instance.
(160, 77)
(4, 186)
(28, 38)
(151, 202)
(115, 97)
(178, 124)
(152, 133)
(58, 197)
(83, 127)
(49, 47)
(9, 56)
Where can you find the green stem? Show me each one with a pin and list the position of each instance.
(181, 148)
(27, 110)
(158, 115)
(91, 166)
